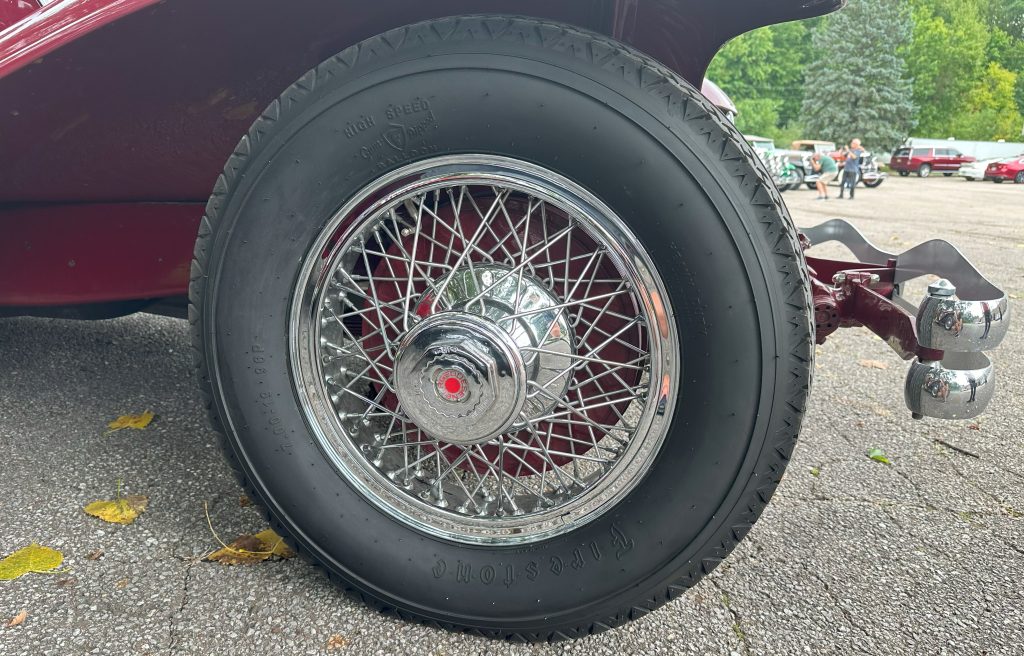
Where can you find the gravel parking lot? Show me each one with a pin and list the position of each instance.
(923, 556)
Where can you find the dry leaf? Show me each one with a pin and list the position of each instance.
(122, 584)
(250, 549)
(33, 558)
(18, 619)
(244, 501)
(974, 426)
(336, 642)
(873, 364)
(122, 510)
(137, 422)
(95, 555)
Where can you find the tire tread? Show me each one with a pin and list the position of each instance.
(682, 101)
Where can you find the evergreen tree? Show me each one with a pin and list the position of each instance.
(857, 83)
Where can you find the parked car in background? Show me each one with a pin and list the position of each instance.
(1006, 169)
(784, 174)
(800, 157)
(976, 170)
(923, 161)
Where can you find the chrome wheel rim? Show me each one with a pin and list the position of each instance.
(484, 350)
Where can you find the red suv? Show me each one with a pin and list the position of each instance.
(923, 161)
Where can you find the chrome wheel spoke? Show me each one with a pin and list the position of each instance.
(482, 348)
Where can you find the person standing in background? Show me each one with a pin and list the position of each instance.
(827, 171)
(851, 167)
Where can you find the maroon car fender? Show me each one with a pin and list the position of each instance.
(141, 102)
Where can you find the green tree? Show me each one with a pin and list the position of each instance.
(1007, 15)
(856, 83)
(762, 71)
(946, 58)
(991, 110)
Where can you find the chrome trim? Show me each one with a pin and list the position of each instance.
(846, 234)
(945, 323)
(354, 441)
(960, 387)
(962, 315)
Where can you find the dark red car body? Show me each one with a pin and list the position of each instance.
(1006, 169)
(117, 116)
(941, 160)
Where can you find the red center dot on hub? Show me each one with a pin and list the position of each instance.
(452, 385)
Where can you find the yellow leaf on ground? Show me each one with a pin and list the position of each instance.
(335, 642)
(33, 558)
(873, 364)
(18, 619)
(122, 510)
(137, 422)
(251, 549)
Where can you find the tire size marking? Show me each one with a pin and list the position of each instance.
(508, 574)
(266, 399)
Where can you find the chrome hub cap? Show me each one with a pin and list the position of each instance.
(484, 350)
(460, 378)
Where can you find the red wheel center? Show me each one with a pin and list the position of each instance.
(452, 385)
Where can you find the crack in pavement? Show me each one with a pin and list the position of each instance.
(737, 620)
(172, 630)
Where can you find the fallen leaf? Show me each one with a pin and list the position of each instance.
(95, 554)
(122, 510)
(974, 426)
(878, 455)
(244, 501)
(137, 422)
(18, 619)
(815, 472)
(873, 364)
(122, 584)
(33, 558)
(249, 549)
(67, 582)
(336, 642)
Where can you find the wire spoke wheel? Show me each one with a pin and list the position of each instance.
(483, 349)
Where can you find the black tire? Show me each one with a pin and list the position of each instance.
(904, 174)
(998, 180)
(924, 170)
(694, 194)
(875, 184)
(969, 178)
(948, 175)
(1019, 179)
(810, 185)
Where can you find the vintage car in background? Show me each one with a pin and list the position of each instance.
(1006, 169)
(498, 319)
(923, 161)
(800, 155)
(783, 173)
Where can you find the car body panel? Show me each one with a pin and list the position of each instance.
(944, 160)
(1005, 169)
(137, 102)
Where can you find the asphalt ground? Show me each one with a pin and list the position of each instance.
(923, 556)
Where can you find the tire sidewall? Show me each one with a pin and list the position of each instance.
(699, 234)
